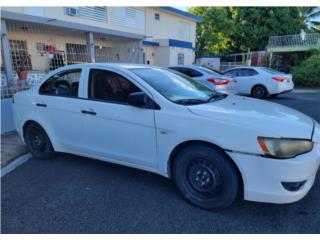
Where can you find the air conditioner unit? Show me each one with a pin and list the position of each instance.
(72, 11)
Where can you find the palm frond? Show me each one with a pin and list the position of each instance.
(314, 13)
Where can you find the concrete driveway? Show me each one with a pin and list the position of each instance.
(71, 194)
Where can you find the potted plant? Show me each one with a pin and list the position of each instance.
(22, 74)
(22, 70)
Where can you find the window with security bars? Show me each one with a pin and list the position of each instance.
(21, 59)
(41, 48)
(58, 60)
(76, 53)
(103, 54)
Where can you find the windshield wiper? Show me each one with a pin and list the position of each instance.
(190, 101)
(216, 97)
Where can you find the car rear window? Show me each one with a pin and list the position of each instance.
(211, 71)
(270, 70)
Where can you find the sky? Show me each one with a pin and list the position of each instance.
(181, 8)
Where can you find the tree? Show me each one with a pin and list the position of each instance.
(310, 18)
(254, 25)
(238, 29)
(213, 34)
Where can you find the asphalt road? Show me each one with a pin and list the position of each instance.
(71, 194)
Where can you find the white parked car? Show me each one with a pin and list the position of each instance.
(212, 79)
(260, 82)
(212, 145)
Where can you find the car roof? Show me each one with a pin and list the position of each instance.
(243, 67)
(113, 65)
(184, 66)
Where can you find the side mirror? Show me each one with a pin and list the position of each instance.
(140, 99)
(137, 99)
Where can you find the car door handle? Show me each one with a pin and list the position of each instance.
(41, 105)
(88, 112)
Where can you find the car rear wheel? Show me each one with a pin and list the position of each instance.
(259, 92)
(38, 142)
(206, 177)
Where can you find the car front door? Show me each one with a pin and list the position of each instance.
(116, 131)
(59, 106)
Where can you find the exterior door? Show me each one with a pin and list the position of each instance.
(114, 129)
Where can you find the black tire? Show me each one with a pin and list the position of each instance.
(259, 91)
(206, 177)
(38, 142)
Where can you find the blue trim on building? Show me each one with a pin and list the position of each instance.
(209, 56)
(181, 44)
(150, 43)
(183, 13)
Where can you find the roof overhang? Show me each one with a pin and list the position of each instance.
(67, 25)
(183, 14)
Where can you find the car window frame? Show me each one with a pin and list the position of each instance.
(137, 84)
(242, 69)
(82, 73)
(183, 69)
(231, 70)
(249, 69)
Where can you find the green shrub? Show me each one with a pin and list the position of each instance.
(308, 72)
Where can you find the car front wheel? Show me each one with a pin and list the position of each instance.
(206, 177)
(38, 142)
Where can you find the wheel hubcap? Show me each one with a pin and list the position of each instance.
(204, 177)
(37, 140)
(259, 92)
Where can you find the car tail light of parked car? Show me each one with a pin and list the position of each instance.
(279, 79)
(218, 81)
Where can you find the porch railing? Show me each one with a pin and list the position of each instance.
(296, 42)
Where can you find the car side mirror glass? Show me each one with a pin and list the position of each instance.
(137, 99)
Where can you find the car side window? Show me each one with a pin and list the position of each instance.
(65, 83)
(233, 73)
(248, 72)
(109, 86)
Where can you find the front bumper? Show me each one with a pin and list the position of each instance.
(262, 176)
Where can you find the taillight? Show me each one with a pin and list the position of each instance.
(218, 81)
(279, 79)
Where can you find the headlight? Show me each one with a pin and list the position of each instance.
(284, 147)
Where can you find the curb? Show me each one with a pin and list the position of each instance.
(15, 163)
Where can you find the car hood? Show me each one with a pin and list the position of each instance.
(271, 119)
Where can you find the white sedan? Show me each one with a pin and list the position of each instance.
(260, 82)
(211, 145)
(212, 79)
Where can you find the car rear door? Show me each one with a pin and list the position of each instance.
(59, 106)
(114, 130)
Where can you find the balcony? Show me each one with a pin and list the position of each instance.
(293, 43)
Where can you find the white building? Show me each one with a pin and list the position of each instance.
(39, 39)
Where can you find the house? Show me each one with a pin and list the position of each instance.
(40, 39)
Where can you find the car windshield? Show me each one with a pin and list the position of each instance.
(177, 87)
(270, 70)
